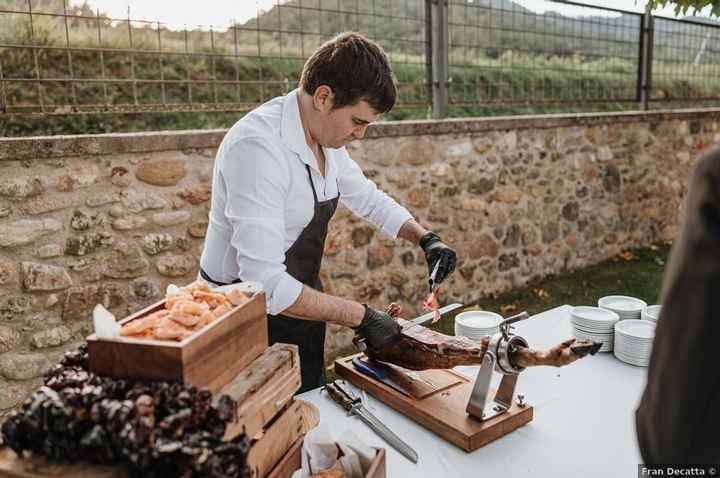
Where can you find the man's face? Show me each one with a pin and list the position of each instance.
(342, 125)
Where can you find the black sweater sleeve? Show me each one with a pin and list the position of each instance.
(678, 419)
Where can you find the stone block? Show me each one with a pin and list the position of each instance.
(176, 265)
(44, 277)
(53, 337)
(161, 171)
(23, 366)
(27, 231)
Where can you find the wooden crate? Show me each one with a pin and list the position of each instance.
(290, 462)
(274, 442)
(263, 389)
(208, 359)
(377, 469)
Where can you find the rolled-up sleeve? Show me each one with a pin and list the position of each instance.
(256, 181)
(363, 197)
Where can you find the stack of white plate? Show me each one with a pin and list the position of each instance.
(596, 324)
(625, 307)
(633, 341)
(475, 324)
(651, 312)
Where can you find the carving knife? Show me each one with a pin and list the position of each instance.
(425, 317)
(340, 392)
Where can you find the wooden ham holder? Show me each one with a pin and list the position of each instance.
(443, 410)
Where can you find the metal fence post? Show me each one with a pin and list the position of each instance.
(439, 49)
(645, 60)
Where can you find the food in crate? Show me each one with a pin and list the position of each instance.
(186, 312)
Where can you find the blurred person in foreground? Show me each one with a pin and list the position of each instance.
(679, 414)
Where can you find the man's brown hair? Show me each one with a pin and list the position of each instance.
(356, 68)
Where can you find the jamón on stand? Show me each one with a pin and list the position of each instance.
(420, 348)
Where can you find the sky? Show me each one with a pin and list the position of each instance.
(176, 14)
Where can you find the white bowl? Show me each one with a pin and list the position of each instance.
(478, 320)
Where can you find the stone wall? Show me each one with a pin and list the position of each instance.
(113, 219)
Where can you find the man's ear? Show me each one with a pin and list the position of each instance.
(323, 99)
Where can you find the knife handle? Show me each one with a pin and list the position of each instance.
(339, 397)
(367, 369)
(342, 387)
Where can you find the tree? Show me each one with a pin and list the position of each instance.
(683, 6)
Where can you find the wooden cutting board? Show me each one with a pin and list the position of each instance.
(419, 385)
(442, 412)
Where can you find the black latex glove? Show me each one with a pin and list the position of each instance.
(378, 329)
(436, 250)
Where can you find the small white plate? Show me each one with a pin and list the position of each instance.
(651, 312)
(641, 329)
(622, 304)
(593, 314)
(602, 329)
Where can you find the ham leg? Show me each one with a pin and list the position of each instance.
(420, 348)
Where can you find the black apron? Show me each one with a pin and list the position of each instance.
(303, 261)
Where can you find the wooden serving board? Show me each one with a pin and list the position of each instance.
(444, 412)
(420, 385)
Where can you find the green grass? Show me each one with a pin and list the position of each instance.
(636, 272)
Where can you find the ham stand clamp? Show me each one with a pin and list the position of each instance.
(497, 359)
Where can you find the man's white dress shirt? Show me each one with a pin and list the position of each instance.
(262, 199)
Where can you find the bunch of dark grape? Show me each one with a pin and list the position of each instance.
(156, 429)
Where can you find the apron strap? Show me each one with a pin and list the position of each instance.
(312, 186)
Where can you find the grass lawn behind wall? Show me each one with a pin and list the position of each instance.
(635, 272)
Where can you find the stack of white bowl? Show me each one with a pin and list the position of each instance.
(651, 312)
(625, 307)
(475, 324)
(596, 324)
(633, 341)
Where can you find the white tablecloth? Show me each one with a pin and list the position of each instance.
(583, 420)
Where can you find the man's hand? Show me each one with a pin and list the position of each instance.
(436, 250)
(378, 329)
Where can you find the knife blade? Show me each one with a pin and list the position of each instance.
(341, 393)
(421, 319)
(385, 433)
(425, 317)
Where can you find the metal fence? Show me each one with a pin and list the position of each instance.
(503, 53)
(446, 54)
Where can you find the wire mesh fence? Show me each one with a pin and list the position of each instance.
(57, 59)
(686, 61)
(504, 53)
(60, 61)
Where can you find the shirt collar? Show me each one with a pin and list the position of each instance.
(292, 132)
